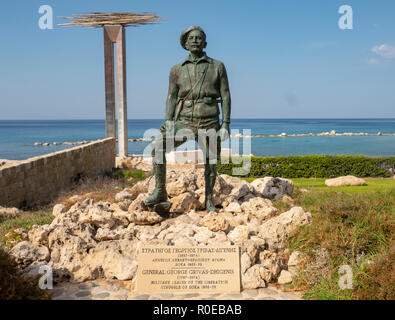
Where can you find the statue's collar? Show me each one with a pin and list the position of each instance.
(202, 58)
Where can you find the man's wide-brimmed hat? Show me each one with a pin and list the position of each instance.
(184, 34)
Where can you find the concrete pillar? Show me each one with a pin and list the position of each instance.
(109, 82)
(121, 95)
(116, 34)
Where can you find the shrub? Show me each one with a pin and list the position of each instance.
(16, 287)
(315, 166)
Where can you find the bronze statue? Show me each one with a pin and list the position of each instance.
(196, 87)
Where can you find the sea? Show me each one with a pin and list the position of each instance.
(17, 138)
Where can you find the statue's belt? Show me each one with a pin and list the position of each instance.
(207, 100)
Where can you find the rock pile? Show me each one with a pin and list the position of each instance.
(101, 240)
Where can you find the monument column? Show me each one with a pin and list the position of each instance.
(109, 82)
(116, 34)
(121, 94)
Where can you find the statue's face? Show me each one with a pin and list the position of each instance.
(195, 41)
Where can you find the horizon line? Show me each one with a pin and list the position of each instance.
(102, 119)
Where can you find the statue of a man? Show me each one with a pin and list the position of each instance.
(196, 87)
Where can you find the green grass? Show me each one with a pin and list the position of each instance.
(24, 220)
(354, 225)
(372, 185)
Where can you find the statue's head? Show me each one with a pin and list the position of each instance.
(193, 39)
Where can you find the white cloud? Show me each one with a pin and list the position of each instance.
(386, 51)
(373, 61)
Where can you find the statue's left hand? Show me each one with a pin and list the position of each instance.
(167, 125)
(224, 131)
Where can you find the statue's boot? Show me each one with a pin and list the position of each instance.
(159, 194)
(210, 175)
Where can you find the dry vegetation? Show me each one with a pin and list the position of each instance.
(101, 19)
(348, 228)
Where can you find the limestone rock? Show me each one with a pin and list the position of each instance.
(276, 230)
(107, 234)
(285, 277)
(245, 262)
(26, 253)
(252, 279)
(184, 203)
(214, 222)
(9, 211)
(293, 262)
(272, 263)
(108, 257)
(145, 218)
(238, 234)
(181, 184)
(233, 207)
(259, 208)
(97, 217)
(59, 209)
(38, 235)
(345, 181)
(195, 217)
(240, 190)
(138, 188)
(273, 188)
(138, 204)
(203, 236)
(123, 195)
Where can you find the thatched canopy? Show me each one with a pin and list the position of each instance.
(101, 19)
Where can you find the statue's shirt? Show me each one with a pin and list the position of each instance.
(199, 86)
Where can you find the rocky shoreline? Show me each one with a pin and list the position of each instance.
(282, 135)
(100, 240)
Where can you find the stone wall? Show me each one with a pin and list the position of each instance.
(40, 179)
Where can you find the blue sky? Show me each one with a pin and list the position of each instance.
(285, 58)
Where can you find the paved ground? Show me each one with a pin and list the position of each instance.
(112, 290)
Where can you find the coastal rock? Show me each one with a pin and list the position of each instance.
(214, 222)
(233, 207)
(138, 188)
(345, 181)
(138, 204)
(273, 188)
(91, 240)
(245, 262)
(9, 211)
(145, 218)
(252, 279)
(240, 190)
(185, 202)
(285, 277)
(293, 262)
(107, 256)
(238, 234)
(259, 208)
(25, 253)
(276, 230)
(38, 235)
(98, 217)
(59, 209)
(123, 195)
(272, 262)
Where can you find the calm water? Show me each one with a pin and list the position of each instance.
(17, 137)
